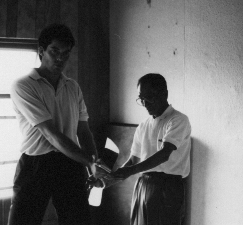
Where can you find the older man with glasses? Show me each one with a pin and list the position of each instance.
(161, 154)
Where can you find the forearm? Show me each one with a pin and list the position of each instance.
(69, 148)
(63, 143)
(86, 139)
(158, 158)
(151, 162)
(87, 143)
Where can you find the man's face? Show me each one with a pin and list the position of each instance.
(55, 57)
(154, 104)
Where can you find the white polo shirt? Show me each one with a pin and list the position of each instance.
(172, 126)
(36, 101)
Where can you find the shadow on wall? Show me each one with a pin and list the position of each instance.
(196, 183)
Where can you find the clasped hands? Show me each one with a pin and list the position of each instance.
(103, 177)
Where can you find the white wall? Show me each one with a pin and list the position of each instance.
(143, 40)
(198, 46)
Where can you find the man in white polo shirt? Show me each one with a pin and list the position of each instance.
(161, 153)
(57, 142)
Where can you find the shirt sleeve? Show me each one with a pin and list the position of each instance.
(177, 130)
(83, 114)
(27, 102)
(136, 144)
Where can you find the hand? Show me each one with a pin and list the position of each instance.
(99, 169)
(92, 168)
(93, 182)
(100, 163)
(103, 182)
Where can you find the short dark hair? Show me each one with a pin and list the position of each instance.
(156, 81)
(56, 31)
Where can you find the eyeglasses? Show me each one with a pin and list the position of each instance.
(141, 101)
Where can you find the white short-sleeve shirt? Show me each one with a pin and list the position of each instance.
(172, 126)
(35, 101)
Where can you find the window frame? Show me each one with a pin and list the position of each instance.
(19, 43)
(28, 44)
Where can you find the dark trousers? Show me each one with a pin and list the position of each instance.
(37, 179)
(158, 199)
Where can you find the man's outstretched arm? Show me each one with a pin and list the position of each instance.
(151, 162)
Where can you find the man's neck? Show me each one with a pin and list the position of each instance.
(161, 111)
(50, 77)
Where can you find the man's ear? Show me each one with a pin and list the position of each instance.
(41, 50)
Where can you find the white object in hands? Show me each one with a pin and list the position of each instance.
(95, 196)
(111, 145)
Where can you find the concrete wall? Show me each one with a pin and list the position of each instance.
(198, 46)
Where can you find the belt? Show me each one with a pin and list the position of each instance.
(161, 175)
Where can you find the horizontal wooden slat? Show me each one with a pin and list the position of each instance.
(19, 40)
(5, 188)
(4, 95)
(19, 43)
(8, 162)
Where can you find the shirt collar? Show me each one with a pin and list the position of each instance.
(35, 75)
(167, 112)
